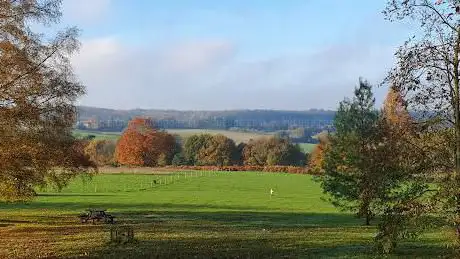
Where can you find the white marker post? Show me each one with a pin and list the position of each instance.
(271, 193)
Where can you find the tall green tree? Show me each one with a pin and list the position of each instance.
(37, 94)
(350, 176)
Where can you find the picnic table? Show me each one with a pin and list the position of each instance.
(96, 215)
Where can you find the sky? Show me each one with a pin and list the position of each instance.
(230, 54)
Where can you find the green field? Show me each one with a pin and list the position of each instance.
(98, 134)
(307, 147)
(183, 133)
(194, 215)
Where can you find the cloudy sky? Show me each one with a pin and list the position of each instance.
(230, 54)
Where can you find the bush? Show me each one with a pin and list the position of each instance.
(273, 151)
(101, 152)
(179, 159)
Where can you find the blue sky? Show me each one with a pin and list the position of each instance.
(215, 55)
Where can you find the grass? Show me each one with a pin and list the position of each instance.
(195, 215)
(238, 137)
(97, 134)
(307, 147)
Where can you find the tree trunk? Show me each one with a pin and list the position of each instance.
(456, 103)
(368, 217)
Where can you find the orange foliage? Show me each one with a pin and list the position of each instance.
(395, 111)
(141, 144)
(317, 155)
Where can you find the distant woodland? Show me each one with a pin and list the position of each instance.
(242, 120)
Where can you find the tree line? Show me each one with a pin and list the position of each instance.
(141, 144)
(255, 120)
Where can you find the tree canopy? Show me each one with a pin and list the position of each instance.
(37, 94)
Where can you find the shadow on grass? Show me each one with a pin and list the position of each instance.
(147, 213)
(166, 230)
(71, 195)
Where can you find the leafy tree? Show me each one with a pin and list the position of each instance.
(350, 176)
(405, 159)
(254, 153)
(37, 94)
(179, 159)
(162, 160)
(220, 150)
(132, 147)
(163, 146)
(102, 152)
(142, 145)
(316, 158)
(239, 153)
(272, 151)
(428, 74)
(193, 145)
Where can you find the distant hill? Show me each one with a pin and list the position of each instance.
(266, 120)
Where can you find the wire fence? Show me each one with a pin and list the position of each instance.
(107, 183)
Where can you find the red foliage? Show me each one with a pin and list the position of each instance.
(141, 144)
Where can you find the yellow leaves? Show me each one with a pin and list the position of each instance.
(395, 112)
(318, 153)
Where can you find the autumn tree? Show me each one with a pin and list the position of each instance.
(164, 146)
(428, 74)
(142, 145)
(316, 157)
(37, 94)
(403, 162)
(351, 176)
(272, 151)
(193, 145)
(101, 151)
(219, 151)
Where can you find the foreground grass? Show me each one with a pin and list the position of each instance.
(220, 215)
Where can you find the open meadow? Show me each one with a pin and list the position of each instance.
(194, 215)
(237, 136)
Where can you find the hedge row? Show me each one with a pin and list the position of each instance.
(273, 169)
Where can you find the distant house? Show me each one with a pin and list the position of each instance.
(88, 124)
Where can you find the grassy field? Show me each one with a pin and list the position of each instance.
(307, 147)
(183, 133)
(194, 215)
(97, 134)
(238, 137)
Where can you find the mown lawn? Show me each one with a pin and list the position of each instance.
(203, 215)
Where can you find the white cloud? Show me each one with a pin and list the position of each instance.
(85, 11)
(207, 74)
(195, 56)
